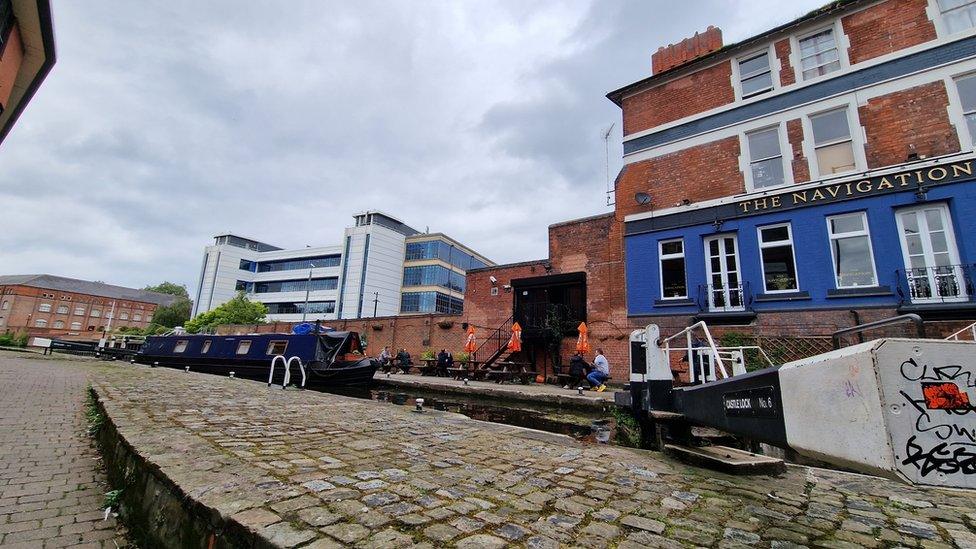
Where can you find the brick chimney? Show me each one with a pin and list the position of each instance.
(687, 50)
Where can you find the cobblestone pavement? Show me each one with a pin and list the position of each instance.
(317, 470)
(51, 488)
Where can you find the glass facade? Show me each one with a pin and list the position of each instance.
(330, 283)
(438, 249)
(433, 275)
(290, 264)
(292, 308)
(430, 302)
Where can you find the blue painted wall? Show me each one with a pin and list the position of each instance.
(811, 246)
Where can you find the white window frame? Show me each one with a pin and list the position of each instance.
(79, 311)
(44, 308)
(856, 137)
(777, 244)
(96, 313)
(953, 249)
(205, 346)
(840, 42)
(5, 306)
(40, 323)
(784, 145)
(76, 325)
(957, 113)
(661, 256)
(62, 309)
(271, 346)
(774, 70)
(864, 232)
(181, 345)
(724, 274)
(58, 324)
(935, 13)
(243, 347)
(124, 316)
(137, 317)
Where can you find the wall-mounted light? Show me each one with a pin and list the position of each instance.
(642, 199)
(493, 280)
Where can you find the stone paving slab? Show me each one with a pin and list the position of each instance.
(307, 469)
(533, 392)
(51, 485)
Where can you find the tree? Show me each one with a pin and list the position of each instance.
(170, 288)
(176, 313)
(239, 310)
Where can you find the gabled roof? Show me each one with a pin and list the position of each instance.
(60, 283)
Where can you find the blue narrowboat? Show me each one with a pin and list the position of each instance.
(330, 358)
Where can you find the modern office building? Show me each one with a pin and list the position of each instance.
(26, 55)
(381, 267)
(56, 306)
(819, 172)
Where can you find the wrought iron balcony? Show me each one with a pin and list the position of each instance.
(943, 284)
(716, 298)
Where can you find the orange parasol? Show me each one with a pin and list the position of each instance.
(515, 342)
(469, 345)
(582, 343)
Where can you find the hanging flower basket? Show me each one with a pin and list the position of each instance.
(378, 327)
(446, 324)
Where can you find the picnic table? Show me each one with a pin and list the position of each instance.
(503, 371)
(467, 369)
(429, 367)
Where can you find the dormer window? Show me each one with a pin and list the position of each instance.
(818, 54)
(755, 76)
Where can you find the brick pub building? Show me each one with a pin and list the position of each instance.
(807, 179)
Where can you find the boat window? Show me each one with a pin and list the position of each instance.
(206, 347)
(277, 347)
(243, 347)
(180, 346)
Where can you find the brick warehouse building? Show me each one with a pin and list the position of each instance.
(55, 306)
(809, 178)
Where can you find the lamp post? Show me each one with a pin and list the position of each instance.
(308, 288)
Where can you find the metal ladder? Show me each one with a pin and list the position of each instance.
(286, 364)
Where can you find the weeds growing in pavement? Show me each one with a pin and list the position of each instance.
(93, 413)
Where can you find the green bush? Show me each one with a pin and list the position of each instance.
(461, 357)
(11, 339)
(427, 354)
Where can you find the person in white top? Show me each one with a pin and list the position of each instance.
(600, 373)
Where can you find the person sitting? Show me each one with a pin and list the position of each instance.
(386, 359)
(403, 361)
(600, 373)
(577, 371)
(444, 361)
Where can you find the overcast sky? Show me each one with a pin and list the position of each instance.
(165, 123)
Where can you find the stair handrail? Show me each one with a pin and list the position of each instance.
(955, 336)
(284, 364)
(914, 318)
(712, 348)
(494, 335)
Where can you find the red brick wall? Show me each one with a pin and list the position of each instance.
(887, 27)
(486, 311)
(787, 75)
(25, 300)
(697, 173)
(916, 116)
(673, 55)
(692, 94)
(10, 61)
(801, 167)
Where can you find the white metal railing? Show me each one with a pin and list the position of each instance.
(717, 356)
(972, 333)
(286, 364)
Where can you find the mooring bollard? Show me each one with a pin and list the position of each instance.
(580, 389)
(232, 375)
(420, 405)
(154, 364)
(187, 369)
(465, 381)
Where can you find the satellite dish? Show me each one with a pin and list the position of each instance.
(642, 198)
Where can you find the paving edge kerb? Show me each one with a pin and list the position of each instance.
(155, 509)
(501, 393)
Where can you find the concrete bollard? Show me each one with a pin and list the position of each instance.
(580, 390)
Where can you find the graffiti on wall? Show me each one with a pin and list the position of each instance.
(943, 437)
